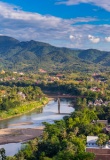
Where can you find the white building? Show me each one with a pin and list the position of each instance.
(91, 141)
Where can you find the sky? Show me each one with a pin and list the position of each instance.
(80, 24)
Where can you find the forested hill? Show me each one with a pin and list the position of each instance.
(32, 55)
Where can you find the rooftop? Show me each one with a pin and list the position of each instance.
(92, 139)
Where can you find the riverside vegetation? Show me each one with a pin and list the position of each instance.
(66, 139)
(18, 100)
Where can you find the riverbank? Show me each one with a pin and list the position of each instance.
(23, 109)
(9, 135)
(32, 120)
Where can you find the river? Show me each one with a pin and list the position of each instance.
(48, 113)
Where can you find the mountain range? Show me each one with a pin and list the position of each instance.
(33, 55)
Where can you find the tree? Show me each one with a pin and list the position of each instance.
(64, 155)
(84, 156)
(102, 139)
(2, 154)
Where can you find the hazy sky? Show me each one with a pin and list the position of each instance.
(66, 23)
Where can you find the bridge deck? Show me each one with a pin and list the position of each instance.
(64, 96)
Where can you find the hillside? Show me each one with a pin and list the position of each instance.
(32, 55)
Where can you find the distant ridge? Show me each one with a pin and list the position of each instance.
(32, 55)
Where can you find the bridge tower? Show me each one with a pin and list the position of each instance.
(58, 105)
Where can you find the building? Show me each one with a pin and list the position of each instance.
(105, 122)
(23, 96)
(101, 153)
(91, 141)
(42, 71)
(107, 129)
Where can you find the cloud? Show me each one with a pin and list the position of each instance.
(23, 25)
(107, 39)
(105, 4)
(71, 37)
(93, 39)
(15, 21)
(8, 12)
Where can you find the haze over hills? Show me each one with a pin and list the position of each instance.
(32, 55)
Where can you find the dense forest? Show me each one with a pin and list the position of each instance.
(33, 55)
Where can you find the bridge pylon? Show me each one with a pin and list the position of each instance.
(58, 105)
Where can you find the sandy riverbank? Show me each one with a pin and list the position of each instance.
(20, 124)
(10, 135)
(14, 135)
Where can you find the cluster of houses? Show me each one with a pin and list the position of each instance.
(20, 76)
(98, 102)
(95, 89)
(21, 94)
(98, 77)
(11, 79)
(20, 73)
(52, 79)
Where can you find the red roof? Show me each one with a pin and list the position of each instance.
(100, 153)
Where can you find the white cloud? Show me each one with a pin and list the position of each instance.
(71, 37)
(93, 39)
(8, 12)
(15, 21)
(56, 31)
(101, 3)
(107, 39)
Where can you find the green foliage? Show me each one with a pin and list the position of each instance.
(65, 139)
(2, 154)
(102, 139)
(32, 55)
(84, 156)
(19, 100)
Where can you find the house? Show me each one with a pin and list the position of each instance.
(21, 73)
(98, 102)
(15, 72)
(95, 89)
(42, 71)
(2, 72)
(106, 103)
(91, 141)
(105, 122)
(23, 96)
(13, 79)
(100, 153)
(90, 103)
(107, 129)
(59, 75)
